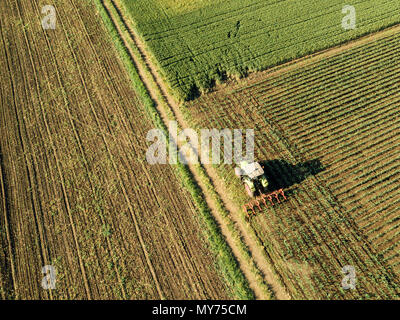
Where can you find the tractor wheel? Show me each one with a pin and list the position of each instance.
(249, 192)
(238, 172)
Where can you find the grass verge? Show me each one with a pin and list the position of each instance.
(227, 263)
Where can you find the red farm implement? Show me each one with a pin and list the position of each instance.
(263, 200)
(255, 182)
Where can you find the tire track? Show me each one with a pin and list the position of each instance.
(28, 170)
(11, 261)
(174, 109)
(130, 207)
(78, 140)
(66, 200)
(154, 196)
(3, 187)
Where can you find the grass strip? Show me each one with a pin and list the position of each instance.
(227, 263)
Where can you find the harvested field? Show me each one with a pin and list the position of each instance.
(328, 132)
(76, 190)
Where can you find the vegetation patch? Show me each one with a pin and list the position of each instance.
(196, 48)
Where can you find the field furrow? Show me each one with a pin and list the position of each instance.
(328, 133)
(76, 190)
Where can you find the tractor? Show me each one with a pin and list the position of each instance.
(253, 177)
(256, 184)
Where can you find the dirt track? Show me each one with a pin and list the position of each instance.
(216, 179)
(335, 118)
(168, 108)
(76, 191)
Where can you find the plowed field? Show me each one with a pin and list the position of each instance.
(76, 190)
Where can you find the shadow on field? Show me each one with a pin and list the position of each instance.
(282, 174)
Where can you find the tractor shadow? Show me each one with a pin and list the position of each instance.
(282, 175)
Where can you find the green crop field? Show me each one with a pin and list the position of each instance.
(328, 132)
(198, 43)
(174, 7)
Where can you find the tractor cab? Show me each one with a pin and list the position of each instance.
(253, 176)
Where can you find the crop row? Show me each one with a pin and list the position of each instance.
(198, 48)
(328, 132)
